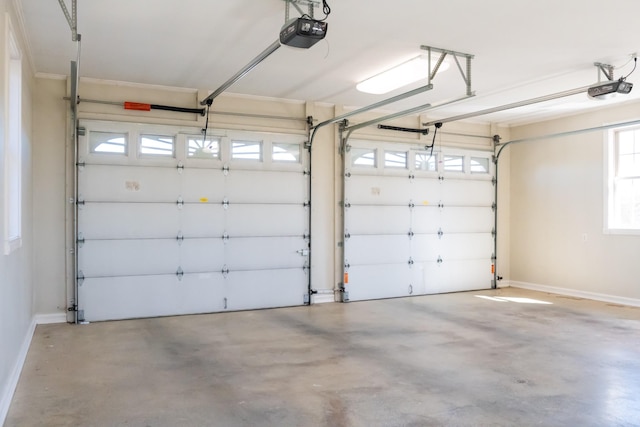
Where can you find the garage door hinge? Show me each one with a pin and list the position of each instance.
(73, 308)
(180, 202)
(346, 266)
(306, 204)
(225, 169)
(80, 277)
(493, 206)
(441, 178)
(411, 205)
(440, 233)
(410, 234)
(439, 259)
(347, 235)
(80, 240)
(347, 175)
(410, 262)
(306, 236)
(225, 203)
(411, 177)
(346, 204)
(493, 257)
(306, 172)
(225, 271)
(180, 273)
(180, 167)
(225, 237)
(440, 204)
(80, 202)
(81, 164)
(494, 181)
(180, 237)
(493, 233)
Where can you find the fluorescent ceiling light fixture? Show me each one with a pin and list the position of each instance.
(401, 75)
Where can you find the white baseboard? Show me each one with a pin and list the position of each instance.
(634, 302)
(45, 319)
(322, 298)
(14, 376)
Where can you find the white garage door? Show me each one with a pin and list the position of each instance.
(416, 222)
(168, 225)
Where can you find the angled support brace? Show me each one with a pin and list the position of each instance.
(605, 69)
(466, 72)
(72, 18)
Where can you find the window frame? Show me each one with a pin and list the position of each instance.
(611, 159)
(12, 141)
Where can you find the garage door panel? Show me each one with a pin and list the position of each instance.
(248, 290)
(379, 190)
(266, 187)
(129, 184)
(202, 255)
(378, 281)
(128, 220)
(265, 253)
(425, 247)
(202, 220)
(425, 191)
(466, 275)
(467, 192)
(128, 257)
(467, 219)
(378, 220)
(200, 184)
(466, 246)
(378, 249)
(150, 296)
(426, 219)
(266, 220)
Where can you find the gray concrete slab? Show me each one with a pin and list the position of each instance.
(444, 360)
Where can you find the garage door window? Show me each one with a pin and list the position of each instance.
(453, 163)
(246, 150)
(197, 148)
(287, 153)
(363, 157)
(426, 161)
(108, 143)
(479, 165)
(157, 146)
(395, 159)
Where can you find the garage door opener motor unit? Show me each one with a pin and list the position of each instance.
(303, 32)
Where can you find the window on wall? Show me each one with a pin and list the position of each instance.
(624, 180)
(453, 163)
(426, 161)
(285, 152)
(479, 165)
(13, 143)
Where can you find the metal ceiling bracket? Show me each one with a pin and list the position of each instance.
(466, 72)
(605, 69)
(72, 18)
(309, 3)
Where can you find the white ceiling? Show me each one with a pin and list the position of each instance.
(522, 49)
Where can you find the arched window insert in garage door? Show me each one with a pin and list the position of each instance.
(171, 224)
(416, 222)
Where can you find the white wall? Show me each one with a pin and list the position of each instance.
(557, 197)
(16, 285)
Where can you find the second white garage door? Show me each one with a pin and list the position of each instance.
(416, 222)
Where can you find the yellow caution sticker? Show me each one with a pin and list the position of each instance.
(203, 200)
(425, 202)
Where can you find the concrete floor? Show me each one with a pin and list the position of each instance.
(450, 360)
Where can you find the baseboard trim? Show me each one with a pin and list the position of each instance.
(322, 298)
(12, 381)
(634, 302)
(46, 319)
